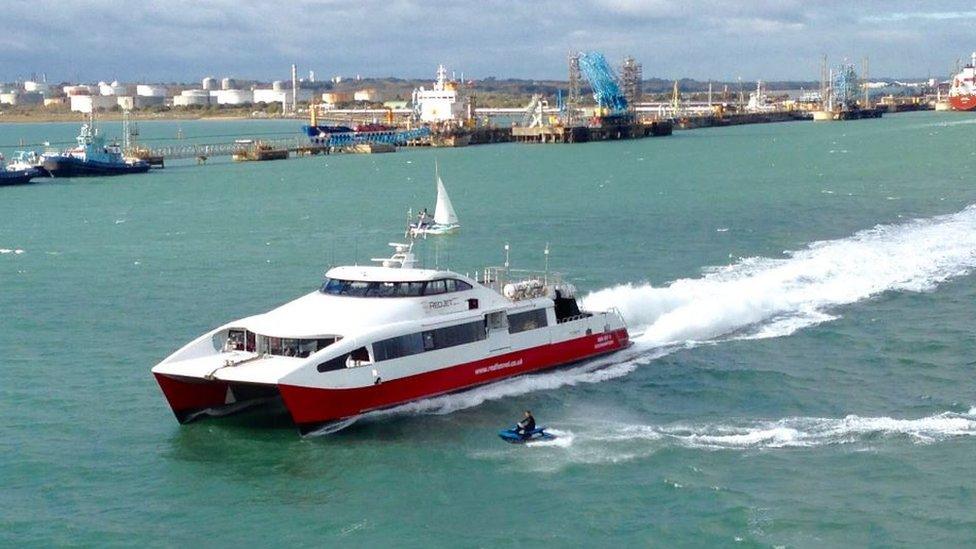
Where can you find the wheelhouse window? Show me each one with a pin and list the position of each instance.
(529, 320)
(358, 288)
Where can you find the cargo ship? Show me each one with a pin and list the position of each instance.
(375, 337)
(91, 157)
(962, 93)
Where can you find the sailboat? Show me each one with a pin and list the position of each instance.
(445, 219)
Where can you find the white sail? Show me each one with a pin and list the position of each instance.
(444, 212)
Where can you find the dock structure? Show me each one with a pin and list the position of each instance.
(582, 134)
(211, 150)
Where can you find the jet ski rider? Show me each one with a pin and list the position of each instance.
(525, 427)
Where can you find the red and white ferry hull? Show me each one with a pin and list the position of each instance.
(314, 406)
(311, 407)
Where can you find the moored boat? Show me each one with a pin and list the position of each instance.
(374, 337)
(92, 156)
(962, 93)
(21, 170)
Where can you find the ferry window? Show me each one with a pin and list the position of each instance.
(235, 340)
(357, 358)
(356, 288)
(360, 354)
(353, 288)
(301, 348)
(336, 363)
(274, 346)
(435, 287)
(409, 289)
(496, 321)
(396, 347)
(454, 285)
(333, 286)
(307, 346)
(529, 320)
(451, 336)
(382, 289)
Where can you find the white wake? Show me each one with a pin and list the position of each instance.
(607, 442)
(758, 297)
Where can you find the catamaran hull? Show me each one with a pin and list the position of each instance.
(312, 408)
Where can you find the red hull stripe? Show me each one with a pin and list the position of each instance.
(189, 395)
(310, 405)
(962, 102)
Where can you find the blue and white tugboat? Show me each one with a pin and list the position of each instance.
(20, 170)
(91, 157)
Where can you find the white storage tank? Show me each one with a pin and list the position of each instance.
(192, 98)
(228, 84)
(277, 85)
(209, 83)
(150, 90)
(234, 97)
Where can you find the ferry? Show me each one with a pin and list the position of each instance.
(378, 336)
(92, 156)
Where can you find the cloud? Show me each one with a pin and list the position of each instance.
(931, 15)
(719, 39)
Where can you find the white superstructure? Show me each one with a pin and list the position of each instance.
(441, 103)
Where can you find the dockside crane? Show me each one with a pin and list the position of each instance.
(606, 86)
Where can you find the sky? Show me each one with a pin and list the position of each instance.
(185, 40)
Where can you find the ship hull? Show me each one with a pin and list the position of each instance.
(962, 102)
(67, 166)
(315, 408)
(19, 177)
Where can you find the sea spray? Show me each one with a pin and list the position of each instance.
(757, 297)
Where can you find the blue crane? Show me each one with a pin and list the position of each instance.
(606, 90)
(846, 87)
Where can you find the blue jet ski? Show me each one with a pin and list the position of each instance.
(513, 436)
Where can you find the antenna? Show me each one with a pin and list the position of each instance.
(507, 248)
(547, 264)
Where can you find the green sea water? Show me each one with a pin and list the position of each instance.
(800, 296)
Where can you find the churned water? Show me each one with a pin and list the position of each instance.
(800, 297)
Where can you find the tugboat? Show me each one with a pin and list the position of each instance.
(374, 337)
(91, 157)
(20, 170)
